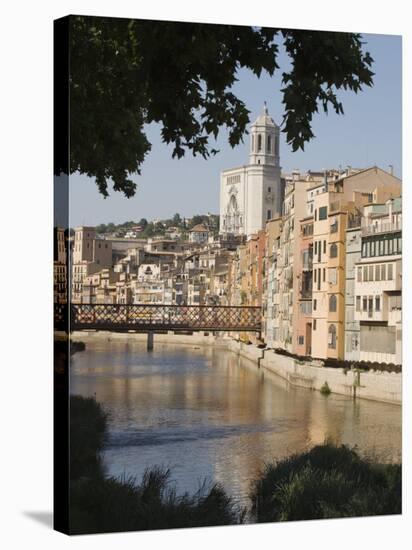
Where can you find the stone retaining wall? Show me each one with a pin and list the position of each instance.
(375, 385)
(195, 339)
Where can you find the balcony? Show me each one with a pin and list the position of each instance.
(307, 264)
(381, 228)
(306, 294)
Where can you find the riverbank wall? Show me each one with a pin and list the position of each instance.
(374, 385)
(195, 339)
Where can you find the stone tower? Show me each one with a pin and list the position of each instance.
(252, 194)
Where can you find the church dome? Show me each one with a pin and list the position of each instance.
(264, 119)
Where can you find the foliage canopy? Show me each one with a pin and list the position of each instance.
(125, 74)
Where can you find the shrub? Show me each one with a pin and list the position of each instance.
(325, 389)
(88, 423)
(326, 482)
(101, 505)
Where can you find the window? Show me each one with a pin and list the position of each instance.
(370, 274)
(314, 324)
(269, 214)
(377, 272)
(269, 147)
(383, 272)
(364, 303)
(390, 272)
(358, 303)
(314, 305)
(359, 274)
(259, 142)
(333, 251)
(301, 340)
(332, 337)
(316, 247)
(323, 212)
(324, 247)
(314, 274)
(332, 303)
(269, 189)
(324, 274)
(377, 303)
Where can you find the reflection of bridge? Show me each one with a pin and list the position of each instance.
(153, 317)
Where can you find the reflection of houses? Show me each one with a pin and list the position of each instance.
(378, 283)
(252, 194)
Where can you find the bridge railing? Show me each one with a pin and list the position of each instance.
(160, 316)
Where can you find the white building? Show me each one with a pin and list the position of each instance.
(199, 234)
(378, 284)
(252, 194)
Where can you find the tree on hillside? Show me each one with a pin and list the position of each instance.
(177, 220)
(198, 219)
(126, 73)
(143, 222)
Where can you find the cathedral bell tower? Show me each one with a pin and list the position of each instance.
(264, 140)
(252, 194)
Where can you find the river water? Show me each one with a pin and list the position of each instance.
(205, 413)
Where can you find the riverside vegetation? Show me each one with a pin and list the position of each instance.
(324, 482)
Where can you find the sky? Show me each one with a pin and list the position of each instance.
(369, 133)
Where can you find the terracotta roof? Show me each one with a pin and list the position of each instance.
(199, 228)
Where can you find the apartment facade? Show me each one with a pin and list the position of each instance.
(378, 283)
(89, 255)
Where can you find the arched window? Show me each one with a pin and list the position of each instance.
(269, 146)
(253, 143)
(233, 204)
(333, 250)
(332, 302)
(259, 142)
(332, 337)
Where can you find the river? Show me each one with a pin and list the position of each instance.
(205, 413)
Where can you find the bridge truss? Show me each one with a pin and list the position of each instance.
(152, 317)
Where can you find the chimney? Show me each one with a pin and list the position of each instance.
(391, 169)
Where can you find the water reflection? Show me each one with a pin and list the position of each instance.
(205, 413)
